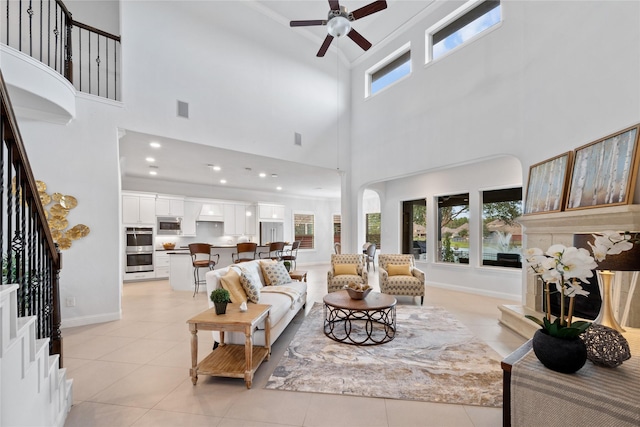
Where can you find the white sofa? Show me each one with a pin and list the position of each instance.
(283, 307)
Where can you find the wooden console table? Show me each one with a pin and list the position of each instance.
(593, 396)
(235, 361)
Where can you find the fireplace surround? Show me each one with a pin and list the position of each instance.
(544, 230)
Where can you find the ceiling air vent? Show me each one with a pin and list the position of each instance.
(183, 109)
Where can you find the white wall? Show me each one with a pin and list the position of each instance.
(552, 77)
(80, 159)
(243, 94)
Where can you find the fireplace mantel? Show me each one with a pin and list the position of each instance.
(544, 230)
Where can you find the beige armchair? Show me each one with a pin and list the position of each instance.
(409, 282)
(339, 275)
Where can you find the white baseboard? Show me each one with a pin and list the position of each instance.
(476, 291)
(90, 320)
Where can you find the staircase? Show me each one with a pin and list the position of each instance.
(35, 391)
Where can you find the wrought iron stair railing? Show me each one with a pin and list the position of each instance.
(30, 258)
(46, 31)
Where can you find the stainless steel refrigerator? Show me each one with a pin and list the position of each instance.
(271, 232)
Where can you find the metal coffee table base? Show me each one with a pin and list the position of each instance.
(360, 327)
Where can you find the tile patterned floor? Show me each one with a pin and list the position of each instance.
(135, 371)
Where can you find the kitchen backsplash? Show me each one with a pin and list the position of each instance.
(206, 232)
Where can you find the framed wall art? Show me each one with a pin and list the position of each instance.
(546, 188)
(604, 172)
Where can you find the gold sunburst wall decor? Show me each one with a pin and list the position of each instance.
(56, 210)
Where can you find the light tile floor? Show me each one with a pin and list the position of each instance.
(135, 371)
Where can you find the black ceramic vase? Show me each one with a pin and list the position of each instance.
(558, 354)
(221, 307)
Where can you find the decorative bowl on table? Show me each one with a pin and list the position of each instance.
(168, 245)
(358, 291)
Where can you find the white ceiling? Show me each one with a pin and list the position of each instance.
(186, 162)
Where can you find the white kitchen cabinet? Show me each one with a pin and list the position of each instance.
(235, 220)
(250, 225)
(138, 209)
(271, 212)
(191, 213)
(169, 206)
(161, 266)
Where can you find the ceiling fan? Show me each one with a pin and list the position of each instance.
(338, 23)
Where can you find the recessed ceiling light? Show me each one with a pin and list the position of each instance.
(216, 168)
(262, 174)
(150, 159)
(155, 144)
(278, 188)
(153, 173)
(223, 181)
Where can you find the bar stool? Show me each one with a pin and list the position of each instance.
(275, 251)
(244, 252)
(201, 257)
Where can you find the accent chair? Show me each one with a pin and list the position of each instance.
(398, 275)
(346, 268)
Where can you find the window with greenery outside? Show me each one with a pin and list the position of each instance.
(304, 230)
(453, 241)
(501, 234)
(373, 228)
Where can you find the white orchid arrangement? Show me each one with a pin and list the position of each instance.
(565, 267)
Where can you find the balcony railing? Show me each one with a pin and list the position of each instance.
(45, 30)
(30, 259)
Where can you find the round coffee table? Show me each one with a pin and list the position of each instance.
(368, 321)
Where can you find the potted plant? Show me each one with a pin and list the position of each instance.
(220, 298)
(557, 344)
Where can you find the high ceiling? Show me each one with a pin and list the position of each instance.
(175, 160)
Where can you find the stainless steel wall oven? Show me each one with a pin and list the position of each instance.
(139, 249)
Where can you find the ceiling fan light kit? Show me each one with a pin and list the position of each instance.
(339, 23)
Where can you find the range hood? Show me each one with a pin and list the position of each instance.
(211, 213)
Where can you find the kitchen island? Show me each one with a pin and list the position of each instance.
(181, 269)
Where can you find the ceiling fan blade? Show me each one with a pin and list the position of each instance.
(325, 45)
(374, 7)
(334, 4)
(308, 23)
(360, 41)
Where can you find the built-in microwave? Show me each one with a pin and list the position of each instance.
(169, 225)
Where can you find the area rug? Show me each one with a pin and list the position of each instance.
(433, 358)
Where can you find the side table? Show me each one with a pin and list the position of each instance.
(235, 361)
(298, 275)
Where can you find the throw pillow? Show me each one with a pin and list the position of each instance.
(251, 285)
(275, 274)
(399, 270)
(265, 276)
(340, 269)
(231, 282)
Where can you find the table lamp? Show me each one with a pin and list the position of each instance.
(624, 261)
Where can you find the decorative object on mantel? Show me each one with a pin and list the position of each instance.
(627, 258)
(605, 346)
(564, 267)
(604, 172)
(220, 298)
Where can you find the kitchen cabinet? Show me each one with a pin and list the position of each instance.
(161, 266)
(250, 224)
(138, 209)
(169, 206)
(271, 212)
(191, 214)
(235, 220)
